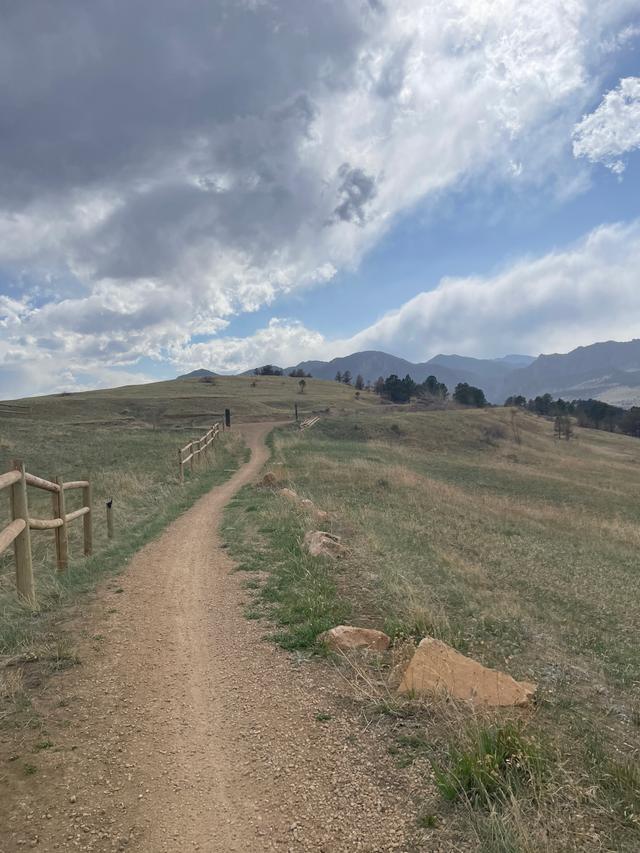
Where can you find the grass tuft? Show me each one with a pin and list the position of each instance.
(495, 764)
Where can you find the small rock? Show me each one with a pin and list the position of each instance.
(305, 503)
(347, 637)
(438, 668)
(289, 494)
(269, 480)
(72, 798)
(321, 544)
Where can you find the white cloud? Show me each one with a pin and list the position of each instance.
(568, 298)
(233, 152)
(280, 343)
(586, 293)
(613, 128)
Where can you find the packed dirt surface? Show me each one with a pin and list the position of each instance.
(183, 729)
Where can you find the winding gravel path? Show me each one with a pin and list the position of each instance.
(183, 730)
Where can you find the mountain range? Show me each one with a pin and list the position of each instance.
(608, 371)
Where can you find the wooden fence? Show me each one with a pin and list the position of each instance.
(18, 531)
(308, 422)
(191, 453)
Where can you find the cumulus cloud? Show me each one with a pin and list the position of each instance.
(281, 342)
(613, 128)
(167, 166)
(585, 293)
(564, 299)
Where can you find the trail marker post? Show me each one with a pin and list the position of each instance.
(110, 517)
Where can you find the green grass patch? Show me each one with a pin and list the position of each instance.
(300, 593)
(491, 765)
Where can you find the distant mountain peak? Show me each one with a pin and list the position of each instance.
(200, 373)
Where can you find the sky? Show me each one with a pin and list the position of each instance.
(240, 182)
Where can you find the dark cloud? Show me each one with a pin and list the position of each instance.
(108, 92)
(356, 190)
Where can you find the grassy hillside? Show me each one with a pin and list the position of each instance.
(133, 466)
(125, 440)
(193, 402)
(523, 554)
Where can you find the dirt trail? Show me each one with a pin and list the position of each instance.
(183, 730)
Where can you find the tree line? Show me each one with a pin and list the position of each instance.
(398, 390)
(592, 414)
(271, 370)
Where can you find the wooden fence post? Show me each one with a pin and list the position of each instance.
(61, 533)
(110, 518)
(22, 542)
(192, 461)
(87, 521)
(181, 465)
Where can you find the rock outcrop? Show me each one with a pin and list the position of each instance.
(438, 668)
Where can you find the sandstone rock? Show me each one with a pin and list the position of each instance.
(269, 480)
(347, 637)
(321, 515)
(321, 544)
(305, 503)
(437, 668)
(289, 494)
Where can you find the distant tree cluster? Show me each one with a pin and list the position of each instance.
(402, 390)
(299, 373)
(592, 414)
(399, 390)
(434, 388)
(469, 395)
(345, 377)
(268, 370)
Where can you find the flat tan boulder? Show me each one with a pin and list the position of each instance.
(289, 494)
(305, 503)
(347, 637)
(437, 668)
(322, 515)
(321, 544)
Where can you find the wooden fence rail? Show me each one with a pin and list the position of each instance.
(309, 422)
(18, 531)
(190, 453)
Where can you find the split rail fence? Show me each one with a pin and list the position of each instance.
(191, 453)
(308, 422)
(18, 531)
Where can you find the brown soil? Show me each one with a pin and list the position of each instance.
(182, 729)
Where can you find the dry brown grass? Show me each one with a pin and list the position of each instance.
(522, 555)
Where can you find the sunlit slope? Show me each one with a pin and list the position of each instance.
(192, 401)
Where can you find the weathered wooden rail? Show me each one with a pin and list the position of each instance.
(191, 453)
(18, 531)
(309, 422)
